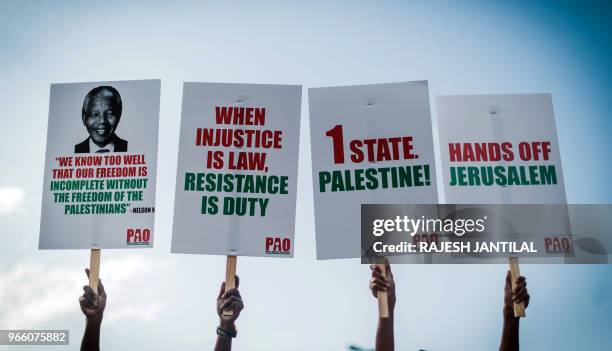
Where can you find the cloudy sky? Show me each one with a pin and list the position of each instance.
(159, 301)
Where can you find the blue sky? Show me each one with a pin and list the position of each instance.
(159, 301)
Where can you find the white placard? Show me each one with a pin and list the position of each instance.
(100, 165)
(237, 170)
(371, 144)
(500, 149)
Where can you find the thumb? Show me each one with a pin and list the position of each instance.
(388, 269)
(87, 272)
(508, 280)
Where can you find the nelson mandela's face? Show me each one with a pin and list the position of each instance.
(100, 120)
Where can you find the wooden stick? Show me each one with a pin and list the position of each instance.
(383, 303)
(515, 272)
(230, 279)
(94, 269)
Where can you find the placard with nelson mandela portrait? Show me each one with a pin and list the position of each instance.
(100, 165)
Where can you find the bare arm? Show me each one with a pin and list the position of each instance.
(92, 306)
(510, 332)
(91, 337)
(230, 300)
(384, 333)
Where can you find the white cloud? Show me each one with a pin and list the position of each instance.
(33, 294)
(125, 275)
(11, 199)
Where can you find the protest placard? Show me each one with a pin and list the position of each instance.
(100, 167)
(500, 149)
(237, 170)
(371, 144)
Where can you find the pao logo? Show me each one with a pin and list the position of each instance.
(136, 237)
(278, 246)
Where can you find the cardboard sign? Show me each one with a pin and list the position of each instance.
(100, 166)
(371, 144)
(237, 170)
(500, 149)
(503, 149)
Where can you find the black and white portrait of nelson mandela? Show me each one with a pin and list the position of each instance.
(101, 114)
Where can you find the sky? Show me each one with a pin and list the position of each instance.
(159, 301)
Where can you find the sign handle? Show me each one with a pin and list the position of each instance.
(230, 279)
(94, 269)
(383, 303)
(515, 272)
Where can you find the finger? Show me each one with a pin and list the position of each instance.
(221, 291)
(388, 267)
(86, 302)
(101, 290)
(233, 298)
(520, 295)
(237, 281)
(230, 301)
(521, 281)
(526, 300)
(90, 301)
(231, 292)
(88, 293)
(375, 268)
(91, 297)
(377, 287)
(226, 304)
(378, 275)
(520, 290)
(88, 290)
(520, 299)
(380, 282)
(237, 306)
(519, 287)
